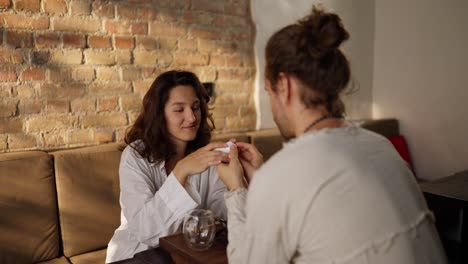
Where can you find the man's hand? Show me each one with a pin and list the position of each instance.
(250, 158)
(232, 173)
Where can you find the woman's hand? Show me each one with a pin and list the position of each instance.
(232, 173)
(250, 158)
(199, 161)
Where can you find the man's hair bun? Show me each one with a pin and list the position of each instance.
(322, 33)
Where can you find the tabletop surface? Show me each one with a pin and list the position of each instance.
(176, 246)
(455, 186)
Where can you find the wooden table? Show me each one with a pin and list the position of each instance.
(182, 254)
(448, 199)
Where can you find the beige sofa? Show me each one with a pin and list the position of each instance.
(62, 207)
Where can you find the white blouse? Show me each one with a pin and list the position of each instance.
(154, 204)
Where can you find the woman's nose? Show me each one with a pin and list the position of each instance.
(190, 116)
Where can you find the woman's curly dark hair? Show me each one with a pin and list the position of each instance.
(150, 127)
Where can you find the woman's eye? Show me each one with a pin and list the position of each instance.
(196, 108)
(178, 110)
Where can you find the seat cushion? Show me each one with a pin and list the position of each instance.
(61, 260)
(268, 142)
(88, 196)
(95, 257)
(28, 208)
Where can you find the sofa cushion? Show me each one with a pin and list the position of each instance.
(61, 260)
(268, 142)
(88, 196)
(28, 208)
(385, 127)
(240, 137)
(95, 257)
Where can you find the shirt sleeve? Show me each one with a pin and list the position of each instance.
(151, 212)
(216, 190)
(255, 236)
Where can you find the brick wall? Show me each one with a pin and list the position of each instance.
(73, 72)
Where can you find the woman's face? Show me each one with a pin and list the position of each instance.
(183, 114)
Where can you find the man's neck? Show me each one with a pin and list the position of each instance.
(311, 119)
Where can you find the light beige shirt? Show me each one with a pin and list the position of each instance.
(339, 195)
(153, 204)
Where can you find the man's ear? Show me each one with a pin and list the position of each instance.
(283, 87)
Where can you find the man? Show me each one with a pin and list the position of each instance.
(335, 193)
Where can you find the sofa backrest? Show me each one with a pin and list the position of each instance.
(28, 208)
(88, 196)
(268, 142)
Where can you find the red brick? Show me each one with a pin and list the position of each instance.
(167, 30)
(10, 125)
(10, 56)
(104, 120)
(19, 39)
(197, 17)
(58, 74)
(33, 74)
(139, 28)
(237, 9)
(147, 43)
(55, 6)
(131, 103)
(131, 74)
(8, 75)
(84, 74)
(183, 59)
(217, 60)
(74, 41)
(27, 5)
(25, 91)
(123, 42)
(171, 4)
(109, 88)
(168, 15)
(126, 12)
(102, 9)
(80, 8)
(63, 90)
(30, 106)
(108, 104)
(209, 5)
(207, 32)
(21, 141)
(5, 3)
(107, 74)
(99, 42)
(66, 56)
(23, 21)
(188, 44)
(40, 57)
(83, 105)
(147, 13)
(8, 108)
(47, 40)
(76, 24)
(103, 135)
(117, 27)
(57, 106)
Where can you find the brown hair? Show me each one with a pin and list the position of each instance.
(309, 50)
(150, 127)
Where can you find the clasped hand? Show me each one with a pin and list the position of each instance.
(245, 159)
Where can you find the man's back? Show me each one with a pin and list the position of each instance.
(338, 195)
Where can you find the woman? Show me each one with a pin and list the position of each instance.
(334, 193)
(166, 169)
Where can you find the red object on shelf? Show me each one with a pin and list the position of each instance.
(399, 142)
